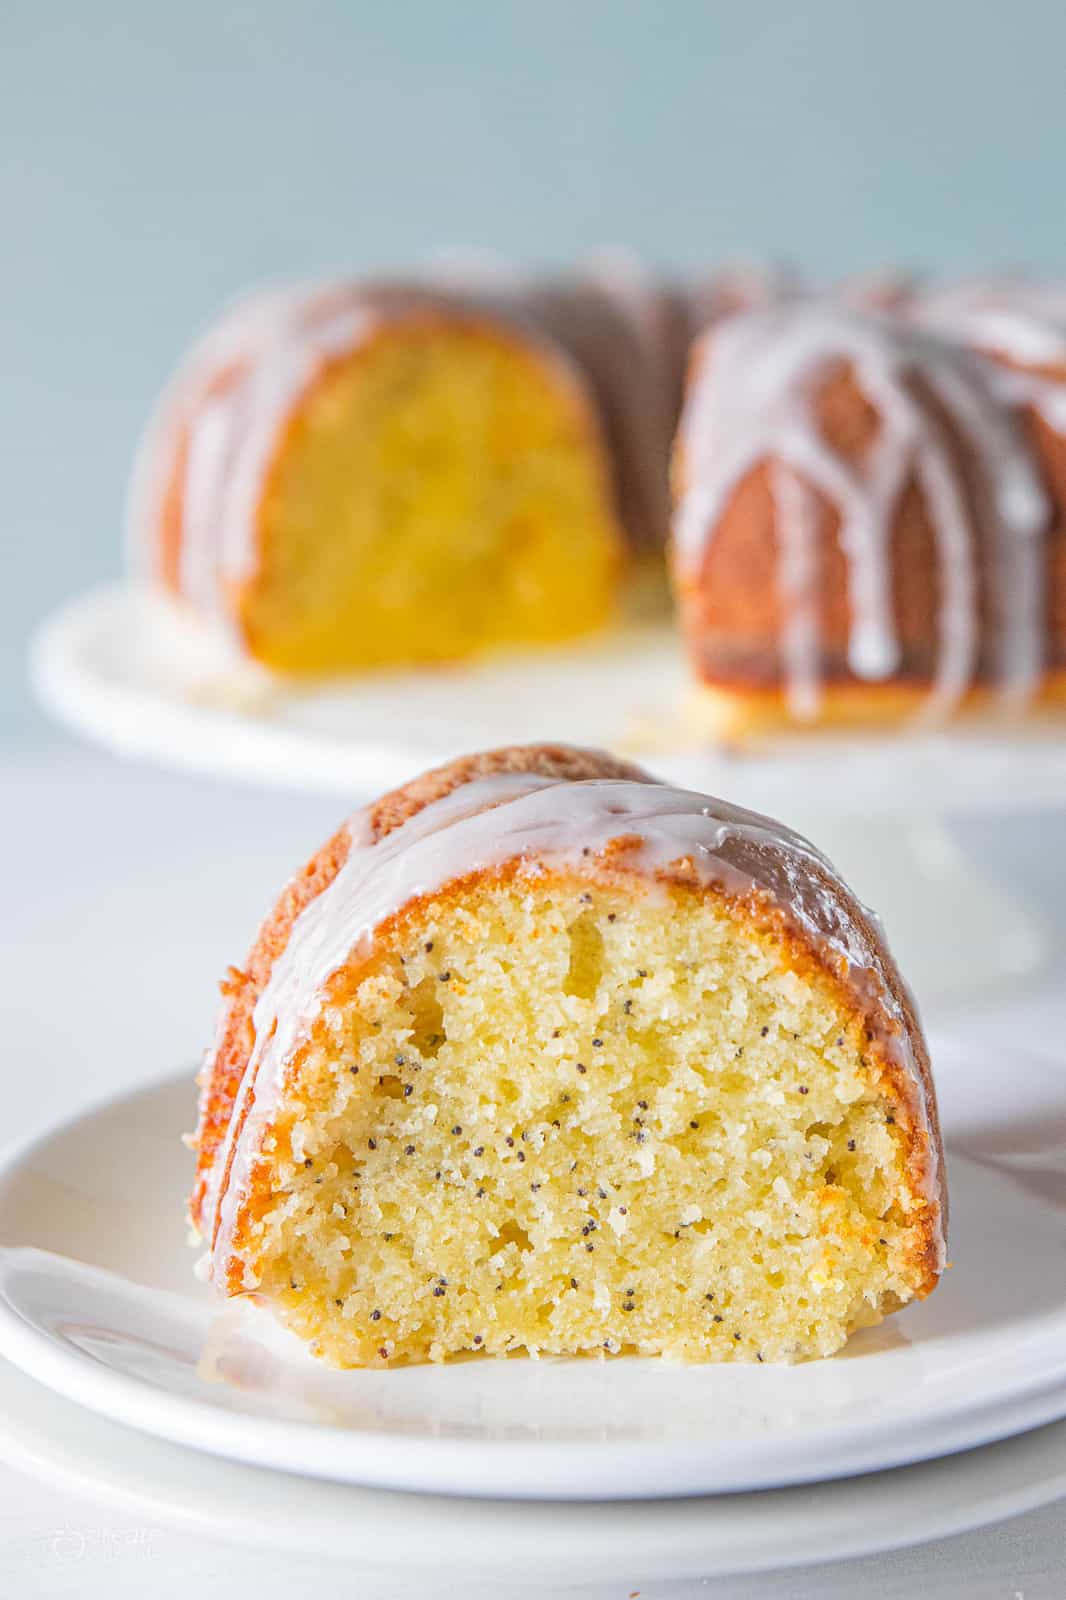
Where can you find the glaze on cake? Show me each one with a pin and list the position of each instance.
(1018, 322)
(541, 1054)
(862, 524)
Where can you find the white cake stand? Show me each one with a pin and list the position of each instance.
(121, 665)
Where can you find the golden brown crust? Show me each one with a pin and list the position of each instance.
(545, 760)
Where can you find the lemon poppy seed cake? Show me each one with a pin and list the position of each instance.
(538, 1054)
(368, 474)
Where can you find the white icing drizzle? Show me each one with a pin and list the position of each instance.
(271, 392)
(229, 399)
(799, 588)
(1018, 322)
(239, 332)
(210, 446)
(538, 820)
(754, 400)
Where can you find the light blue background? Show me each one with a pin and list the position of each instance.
(155, 157)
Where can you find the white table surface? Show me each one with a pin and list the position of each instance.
(126, 893)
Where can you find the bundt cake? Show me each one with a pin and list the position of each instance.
(365, 474)
(540, 1054)
(863, 530)
(870, 482)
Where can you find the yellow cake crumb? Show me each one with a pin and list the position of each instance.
(557, 1115)
(442, 491)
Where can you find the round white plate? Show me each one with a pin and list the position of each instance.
(529, 1543)
(98, 1301)
(121, 665)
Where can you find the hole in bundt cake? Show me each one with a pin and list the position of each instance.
(427, 1013)
(511, 1233)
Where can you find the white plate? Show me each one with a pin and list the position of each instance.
(121, 665)
(129, 1333)
(449, 1542)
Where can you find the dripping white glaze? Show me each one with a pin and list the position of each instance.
(754, 400)
(231, 340)
(232, 435)
(537, 820)
(272, 389)
(799, 589)
(209, 450)
(227, 401)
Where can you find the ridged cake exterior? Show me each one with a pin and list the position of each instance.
(867, 530)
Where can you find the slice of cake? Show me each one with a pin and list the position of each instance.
(540, 1054)
(364, 475)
